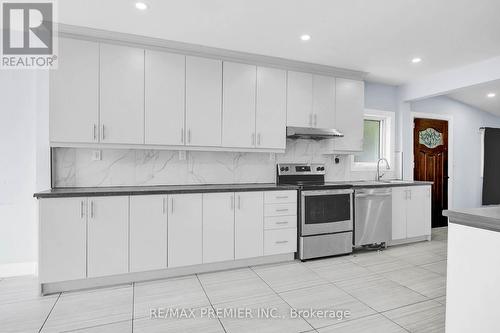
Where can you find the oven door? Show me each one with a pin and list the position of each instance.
(326, 211)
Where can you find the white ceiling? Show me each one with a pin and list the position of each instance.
(476, 96)
(376, 36)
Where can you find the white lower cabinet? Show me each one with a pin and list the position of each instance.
(107, 238)
(411, 212)
(249, 225)
(185, 230)
(148, 232)
(280, 241)
(218, 227)
(63, 236)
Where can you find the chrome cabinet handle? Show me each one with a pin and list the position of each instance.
(281, 242)
(102, 132)
(239, 202)
(189, 135)
(315, 120)
(283, 222)
(172, 204)
(282, 210)
(258, 139)
(282, 197)
(163, 208)
(94, 132)
(81, 209)
(92, 209)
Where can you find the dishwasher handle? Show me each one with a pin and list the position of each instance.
(366, 195)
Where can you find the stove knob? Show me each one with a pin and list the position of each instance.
(282, 169)
(318, 169)
(322, 168)
(287, 168)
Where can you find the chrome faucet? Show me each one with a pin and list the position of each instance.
(379, 176)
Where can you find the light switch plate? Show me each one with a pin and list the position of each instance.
(96, 155)
(182, 155)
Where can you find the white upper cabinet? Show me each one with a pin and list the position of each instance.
(249, 225)
(122, 94)
(271, 108)
(218, 227)
(74, 93)
(350, 99)
(323, 102)
(238, 116)
(165, 97)
(203, 101)
(148, 232)
(108, 242)
(299, 99)
(185, 237)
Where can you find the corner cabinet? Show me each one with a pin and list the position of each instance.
(411, 213)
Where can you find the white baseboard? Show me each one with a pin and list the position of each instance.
(17, 269)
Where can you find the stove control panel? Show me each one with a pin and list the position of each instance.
(301, 169)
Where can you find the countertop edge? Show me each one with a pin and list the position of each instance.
(473, 220)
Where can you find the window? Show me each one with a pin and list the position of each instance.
(378, 140)
(371, 142)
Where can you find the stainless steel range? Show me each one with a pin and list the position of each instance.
(325, 210)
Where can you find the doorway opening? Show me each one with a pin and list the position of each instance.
(430, 156)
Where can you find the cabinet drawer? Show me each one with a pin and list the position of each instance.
(280, 222)
(280, 209)
(280, 241)
(274, 197)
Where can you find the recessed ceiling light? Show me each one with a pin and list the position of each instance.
(416, 60)
(305, 38)
(141, 6)
(491, 95)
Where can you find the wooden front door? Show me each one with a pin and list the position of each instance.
(430, 149)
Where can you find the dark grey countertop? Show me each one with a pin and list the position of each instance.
(166, 189)
(483, 218)
(179, 189)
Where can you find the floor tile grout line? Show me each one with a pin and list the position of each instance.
(377, 312)
(210, 301)
(277, 294)
(50, 312)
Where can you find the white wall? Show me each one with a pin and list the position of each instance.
(467, 181)
(18, 229)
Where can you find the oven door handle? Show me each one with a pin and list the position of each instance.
(325, 192)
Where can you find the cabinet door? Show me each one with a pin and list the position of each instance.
(299, 99)
(418, 218)
(399, 195)
(63, 234)
(238, 115)
(107, 251)
(271, 108)
(249, 225)
(164, 87)
(323, 101)
(218, 227)
(185, 230)
(74, 92)
(148, 232)
(203, 101)
(122, 94)
(349, 114)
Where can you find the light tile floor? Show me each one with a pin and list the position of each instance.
(401, 289)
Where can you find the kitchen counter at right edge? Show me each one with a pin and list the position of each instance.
(473, 272)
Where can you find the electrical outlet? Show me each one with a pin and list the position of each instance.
(96, 155)
(182, 155)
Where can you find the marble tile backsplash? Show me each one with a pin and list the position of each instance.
(74, 167)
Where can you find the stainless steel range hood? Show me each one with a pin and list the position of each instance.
(312, 133)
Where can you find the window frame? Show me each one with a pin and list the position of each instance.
(387, 139)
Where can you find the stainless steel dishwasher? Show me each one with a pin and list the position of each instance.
(372, 216)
